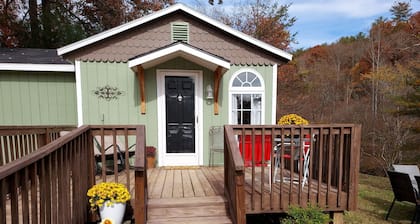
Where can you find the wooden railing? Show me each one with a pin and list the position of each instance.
(332, 176)
(18, 141)
(117, 138)
(50, 184)
(234, 177)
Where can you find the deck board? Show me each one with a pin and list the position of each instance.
(158, 186)
(208, 190)
(198, 189)
(168, 184)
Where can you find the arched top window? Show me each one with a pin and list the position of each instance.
(246, 79)
(246, 98)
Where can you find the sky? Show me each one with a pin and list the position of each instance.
(324, 21)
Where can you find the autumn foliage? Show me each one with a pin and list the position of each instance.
(371, 79)
(52, 24)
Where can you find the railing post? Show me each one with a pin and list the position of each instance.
(140, 178)
(240, 198)
(139, 204)
(356, 136)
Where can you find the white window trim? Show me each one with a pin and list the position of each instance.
(247, 90)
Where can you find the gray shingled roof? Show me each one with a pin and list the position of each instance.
(31, 56)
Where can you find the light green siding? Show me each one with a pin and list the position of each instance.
(37, 98)
(123, 110)
(126, 109)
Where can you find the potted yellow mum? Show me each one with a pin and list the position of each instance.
(110, 198)
(292, 119)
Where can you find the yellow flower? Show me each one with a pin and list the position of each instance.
(107, 221)
(107, 193)
(292, 119)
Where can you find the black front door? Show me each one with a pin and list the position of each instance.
(180, 114)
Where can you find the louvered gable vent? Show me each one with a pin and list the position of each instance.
(180, 32)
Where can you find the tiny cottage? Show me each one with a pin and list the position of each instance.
(176, 71)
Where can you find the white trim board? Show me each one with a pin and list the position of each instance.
(179, 50)
(79, 95)
(36, 67)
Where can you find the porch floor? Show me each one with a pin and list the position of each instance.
(190, 195)
(185, 183)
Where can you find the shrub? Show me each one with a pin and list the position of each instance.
(308, 215)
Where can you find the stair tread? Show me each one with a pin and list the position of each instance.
(185, 202)
(175, 212)
(193, 220)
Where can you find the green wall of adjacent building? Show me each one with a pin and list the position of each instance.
(126, 108)
(37, 98)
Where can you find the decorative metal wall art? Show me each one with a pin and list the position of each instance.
(108, 93)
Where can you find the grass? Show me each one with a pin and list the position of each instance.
(375, 197)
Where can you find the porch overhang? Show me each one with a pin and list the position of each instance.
(198, 56)
(180, 49)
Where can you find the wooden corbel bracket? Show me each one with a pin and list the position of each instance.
(140, 78)
(217, 77)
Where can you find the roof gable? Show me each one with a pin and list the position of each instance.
(154, 16)
(179, 49)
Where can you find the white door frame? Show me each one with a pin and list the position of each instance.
(180, 159)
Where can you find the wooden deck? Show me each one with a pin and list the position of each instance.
(190, 195)
(175, 192)
(56, 177)
(165, 183)
(185, 183)
(182, 195)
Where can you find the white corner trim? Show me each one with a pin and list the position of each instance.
(37, 67)
(274, 96)
(79, 94)
(166, 11)
(179, 48)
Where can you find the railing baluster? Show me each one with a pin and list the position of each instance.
(3, 199)
(34, 193)
(14, 198)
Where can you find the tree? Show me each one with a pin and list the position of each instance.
(401, 11)
(264, 20)
(370, 79)
(51, 24)
(409, 103)
(10, 23)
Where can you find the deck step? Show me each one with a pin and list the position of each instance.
(192, 220)
(200, 210)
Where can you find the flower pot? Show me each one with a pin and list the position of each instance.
(115, 212)
(151, 161)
